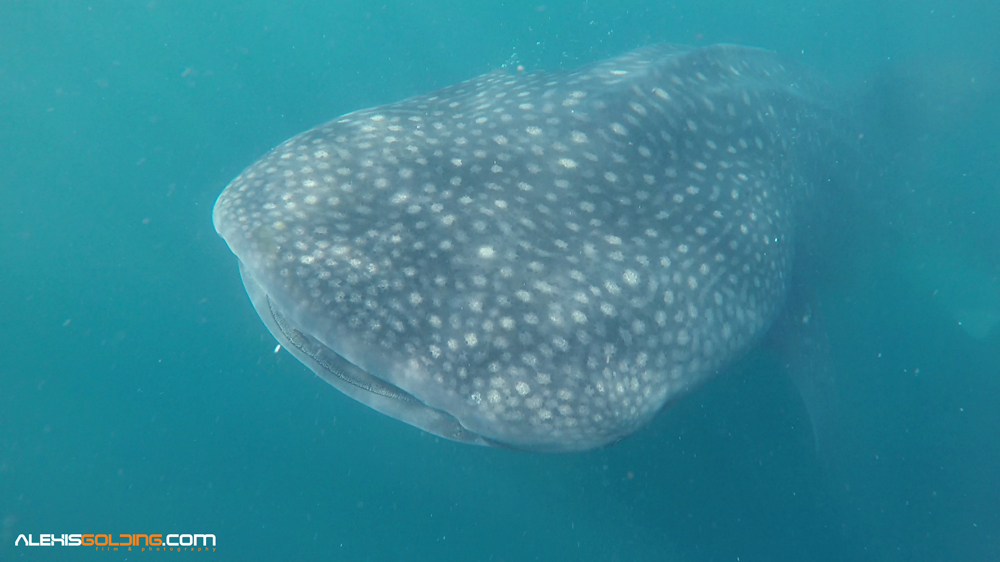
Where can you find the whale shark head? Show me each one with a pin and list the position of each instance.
(539, 261)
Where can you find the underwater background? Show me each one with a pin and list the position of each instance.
(140, 393)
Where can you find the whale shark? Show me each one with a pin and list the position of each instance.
(541, 261)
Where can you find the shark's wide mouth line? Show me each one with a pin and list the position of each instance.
(335, 364)
(325, 357)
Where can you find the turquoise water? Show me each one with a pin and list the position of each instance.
(139, 392)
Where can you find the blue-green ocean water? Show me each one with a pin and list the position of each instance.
(139, 392)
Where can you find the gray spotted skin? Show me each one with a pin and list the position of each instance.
(537, 261)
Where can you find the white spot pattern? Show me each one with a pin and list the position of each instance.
(546, 259)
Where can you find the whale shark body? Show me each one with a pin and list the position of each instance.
(539, 261)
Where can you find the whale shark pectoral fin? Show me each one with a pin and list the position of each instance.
(798, 338)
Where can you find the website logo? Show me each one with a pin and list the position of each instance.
(140, 542)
